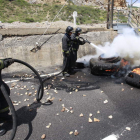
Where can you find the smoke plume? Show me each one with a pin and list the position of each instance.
(126, 45)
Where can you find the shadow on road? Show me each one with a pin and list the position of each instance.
(25, 115)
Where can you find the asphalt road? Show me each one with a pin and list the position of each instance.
(110, 103)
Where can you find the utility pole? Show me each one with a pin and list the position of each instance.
(110, 14)
(130, 10)
(112, 7)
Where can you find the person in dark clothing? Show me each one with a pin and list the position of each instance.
(75, 44)
(66, 47)
(4, 108)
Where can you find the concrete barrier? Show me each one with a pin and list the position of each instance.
(0, 37)
(40, 31)
(50, 53)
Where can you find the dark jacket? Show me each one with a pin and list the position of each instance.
(66, 42)
(1, 64)
(4, 107)
(76, 42)
(1, 67)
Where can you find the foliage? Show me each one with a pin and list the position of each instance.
(29, 20)
(20, 10)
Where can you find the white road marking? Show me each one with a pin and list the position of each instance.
(50, 74)
(11, 81)
(111, 137)
(122, 132)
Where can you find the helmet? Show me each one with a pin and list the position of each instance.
(78, 30)
(69, 29)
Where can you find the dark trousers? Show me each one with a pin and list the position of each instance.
(67, 62)
(74, 57)
(3, 102)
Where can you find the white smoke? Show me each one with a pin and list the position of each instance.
(126, 45)
(86, 59)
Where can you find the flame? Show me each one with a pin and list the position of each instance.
(124, 62)
(110, 70)
(136, 70)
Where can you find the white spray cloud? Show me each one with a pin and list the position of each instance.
(126, 45)
(86, 59)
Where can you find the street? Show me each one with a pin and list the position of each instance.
(84, 107)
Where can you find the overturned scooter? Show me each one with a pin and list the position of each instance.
(3, 86)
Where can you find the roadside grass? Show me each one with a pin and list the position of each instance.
(20, 10)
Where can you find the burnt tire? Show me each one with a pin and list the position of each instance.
(133, 79)
(114, 59)
(99, 68)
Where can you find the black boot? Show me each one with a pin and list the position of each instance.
(2, 132)
(65, 74)
(71, 71)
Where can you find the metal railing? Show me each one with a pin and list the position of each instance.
(132, 20)
(129, 18)
(120, 15)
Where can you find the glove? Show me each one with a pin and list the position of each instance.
(7, 62)
(67, 53)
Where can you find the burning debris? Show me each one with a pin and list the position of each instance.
(114, 65)
(133, 77)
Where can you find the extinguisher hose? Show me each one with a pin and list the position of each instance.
(5, 94)
(40, 95)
